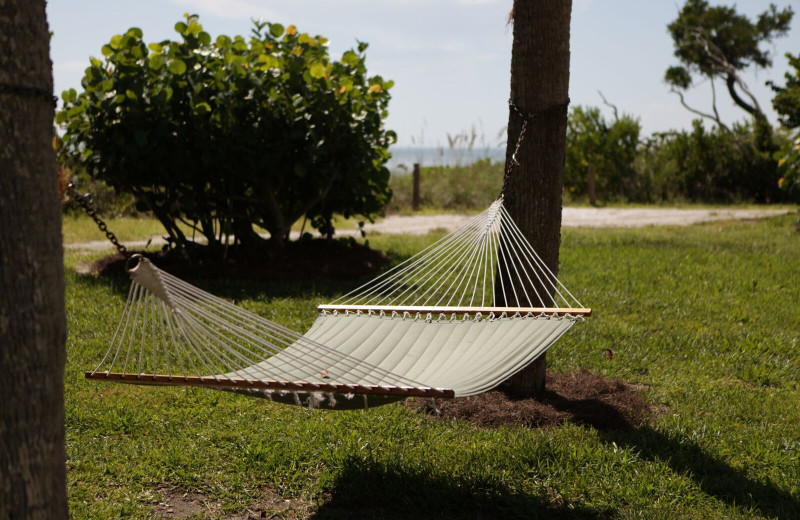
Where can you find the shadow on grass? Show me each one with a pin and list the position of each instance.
(237, 289)
(370, 490)
(713, 476)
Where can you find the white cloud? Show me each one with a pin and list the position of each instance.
(229, 8)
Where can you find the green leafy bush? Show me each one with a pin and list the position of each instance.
(611, 148)
(709, 166)
(230, 133)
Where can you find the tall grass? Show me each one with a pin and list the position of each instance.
(449, 188)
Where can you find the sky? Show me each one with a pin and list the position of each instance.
(449, 59)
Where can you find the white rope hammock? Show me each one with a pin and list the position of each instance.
(456, 319)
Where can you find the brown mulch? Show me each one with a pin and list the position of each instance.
(581, 397)
(299, 260)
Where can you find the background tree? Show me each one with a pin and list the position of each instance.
(226, 134)
(32, 321)
(717, 42)
(611, 147)
(539, 83)
(787, 98)
(787, 103)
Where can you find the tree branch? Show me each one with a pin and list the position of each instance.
(713, 117)
(613, 107)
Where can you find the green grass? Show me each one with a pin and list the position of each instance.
(704, 318)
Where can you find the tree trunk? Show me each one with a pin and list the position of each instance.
(539, 82)
(32, 322)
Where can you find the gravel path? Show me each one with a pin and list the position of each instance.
(571, 217)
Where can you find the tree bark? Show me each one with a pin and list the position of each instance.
(32, 320)
(539, 82)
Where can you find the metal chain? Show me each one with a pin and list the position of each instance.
(85, 201)
(526, 117)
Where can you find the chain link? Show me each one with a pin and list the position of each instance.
(526, 117)
(85, 201)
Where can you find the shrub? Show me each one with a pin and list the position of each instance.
(610, 147)
(235, 132)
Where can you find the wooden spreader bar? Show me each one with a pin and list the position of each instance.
(248, 384)
(485, 311)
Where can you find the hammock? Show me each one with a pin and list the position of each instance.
(451, 321)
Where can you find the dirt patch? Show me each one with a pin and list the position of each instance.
(299, 260)
(185, 505)
(582, 398)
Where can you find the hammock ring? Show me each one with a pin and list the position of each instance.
(133, 262)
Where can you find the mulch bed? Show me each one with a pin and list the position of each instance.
(581, 397)
(299, 260)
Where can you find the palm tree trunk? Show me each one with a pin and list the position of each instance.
(539, 83)
(32, 321)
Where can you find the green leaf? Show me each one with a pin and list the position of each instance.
(115, 41)
(223, 41)
(202, 108)
(156, 61)
(194, 29)
(204, 38)
(95, 62)
(155, 47)
(267, 61)
(177, 67)
(107, 51)
(350, 58)
(131, 94)
(180, 28)
(276, 29)
(317, 70)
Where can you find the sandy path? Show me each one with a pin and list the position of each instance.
(571, 217)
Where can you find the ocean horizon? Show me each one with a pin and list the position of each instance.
(404, 157)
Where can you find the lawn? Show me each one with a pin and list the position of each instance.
(704, 319)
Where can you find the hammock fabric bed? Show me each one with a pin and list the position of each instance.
(451, 321)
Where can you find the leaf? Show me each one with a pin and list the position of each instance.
(202, 108)
(317, 70)
(350, 58)
(95, 62)
(374, 89)
(291, 30)
(275, 29)
(155, 47)
(177, 67)
(115, 41)
(180, 28)
(107, 51)
(156, 61)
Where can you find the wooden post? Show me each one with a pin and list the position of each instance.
(415, 194)
(592, 199)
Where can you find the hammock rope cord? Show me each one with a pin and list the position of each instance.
(428, 327)
(456, 319)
